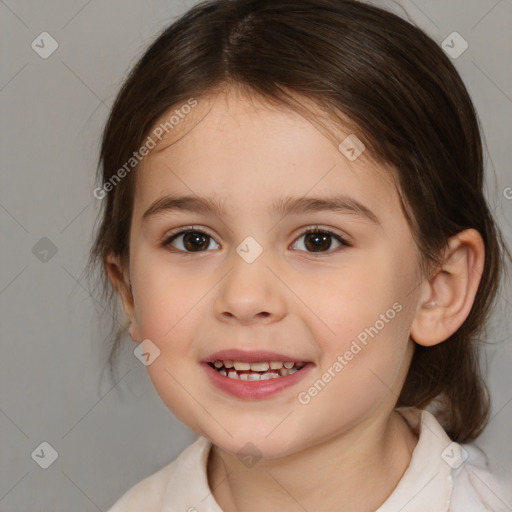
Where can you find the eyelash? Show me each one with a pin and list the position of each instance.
(314, 229)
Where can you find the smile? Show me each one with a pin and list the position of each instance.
(264, 370)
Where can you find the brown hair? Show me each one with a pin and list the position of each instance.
(402, 96)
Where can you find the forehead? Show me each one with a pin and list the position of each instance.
(248, 152)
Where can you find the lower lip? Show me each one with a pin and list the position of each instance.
(254, 388)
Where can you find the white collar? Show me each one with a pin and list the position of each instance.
(426, 485)
(427, 482)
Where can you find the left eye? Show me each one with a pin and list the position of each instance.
(320, 240)
(196, 240)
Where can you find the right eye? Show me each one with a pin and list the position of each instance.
(190, 239)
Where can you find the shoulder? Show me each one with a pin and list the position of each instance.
(478, 487)
(445, 476)
(152, 494)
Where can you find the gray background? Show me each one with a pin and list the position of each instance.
(52, 110)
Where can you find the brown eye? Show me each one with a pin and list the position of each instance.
(320, 240)
(316, 240)
(190, 241)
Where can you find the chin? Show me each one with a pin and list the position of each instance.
(256, 445)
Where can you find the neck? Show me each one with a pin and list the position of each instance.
(353, 472)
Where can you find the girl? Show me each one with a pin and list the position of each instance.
(294, 221)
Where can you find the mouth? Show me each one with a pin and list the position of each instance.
(255, 371)
(256, 374)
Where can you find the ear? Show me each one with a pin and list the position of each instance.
(119, 277)
(448, 296)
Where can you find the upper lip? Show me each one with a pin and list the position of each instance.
(255, 356)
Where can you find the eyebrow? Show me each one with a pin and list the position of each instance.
(283, 206)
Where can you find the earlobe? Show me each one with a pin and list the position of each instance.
(448, 296)
(118, 276)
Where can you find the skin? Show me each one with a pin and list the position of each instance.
(347, 448)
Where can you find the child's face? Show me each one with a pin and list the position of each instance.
(307, 305)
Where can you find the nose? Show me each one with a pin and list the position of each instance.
(250, 293)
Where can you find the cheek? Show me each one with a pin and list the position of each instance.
(173, 385)
(365, 310)
(361, 368)
(169, 312)
(166, 298)
(355, 298)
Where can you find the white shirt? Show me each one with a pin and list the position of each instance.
(442, 476)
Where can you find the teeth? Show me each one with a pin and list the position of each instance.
(259, 367)
(242, 366)
(252, 376)
(263, 370)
